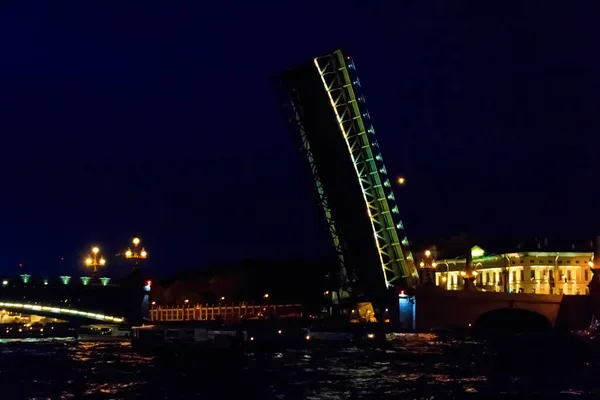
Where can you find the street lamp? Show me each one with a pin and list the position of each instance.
(427, 268)
(136, 254)
(401, 180)
(92, 261)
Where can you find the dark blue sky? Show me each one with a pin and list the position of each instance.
(157, 119)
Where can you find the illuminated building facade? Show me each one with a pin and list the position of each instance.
(542, 272)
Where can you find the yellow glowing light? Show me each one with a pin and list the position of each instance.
(102, 261)
(128, 253)
(153, 303)
(427, 253)
(444, 279)
(474, 273)
(266, 295)
(591, 264)
(136, 241)
(421, 264)
(143, 254)
(186, 301)
(401, 180)
(463, 273)
(222, 298)
(434, 264)
(95, 250)
(88, 261)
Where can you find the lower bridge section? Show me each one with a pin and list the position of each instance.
(224, 312)
(443, 309)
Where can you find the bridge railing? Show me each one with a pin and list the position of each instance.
(226, 312)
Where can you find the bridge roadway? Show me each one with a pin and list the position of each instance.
(60, 313)
(75, 300)
(441, 309)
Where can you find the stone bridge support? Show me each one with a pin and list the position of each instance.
(444, 309)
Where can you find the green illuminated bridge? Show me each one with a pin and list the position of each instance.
(83, 300)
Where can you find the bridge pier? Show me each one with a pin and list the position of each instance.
(443, 309)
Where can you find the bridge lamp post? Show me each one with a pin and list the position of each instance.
(427, 265)
(136, 254)
(93, 262)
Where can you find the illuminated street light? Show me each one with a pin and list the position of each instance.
(266, 295)
(422, 264)
(427, 253)
(222, 298)
(401, 180)
(93, 261)
(136, 253)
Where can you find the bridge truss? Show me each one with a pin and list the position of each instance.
(327, 111)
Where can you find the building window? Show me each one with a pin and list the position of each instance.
(522, 273)
(533, 274)
(550, 262)
(513, 261)
(531, 261)
(514, 276)
(569, 275)
(586, 274)
(577, 261)
(560, 261)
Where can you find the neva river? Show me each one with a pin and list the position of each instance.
(418, 367)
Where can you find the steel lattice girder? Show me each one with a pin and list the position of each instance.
(396, 259)
(293, 112)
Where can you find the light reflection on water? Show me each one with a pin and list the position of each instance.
(418, 366)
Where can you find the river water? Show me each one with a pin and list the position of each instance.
(417, 367)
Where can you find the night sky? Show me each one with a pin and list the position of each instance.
(157, 119)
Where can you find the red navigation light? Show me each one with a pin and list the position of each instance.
(402, 292)
(149, 283)
(20, 265)
(347, 58)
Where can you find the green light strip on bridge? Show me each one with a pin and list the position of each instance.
(32, 307)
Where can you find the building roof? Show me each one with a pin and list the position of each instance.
(455, 247)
